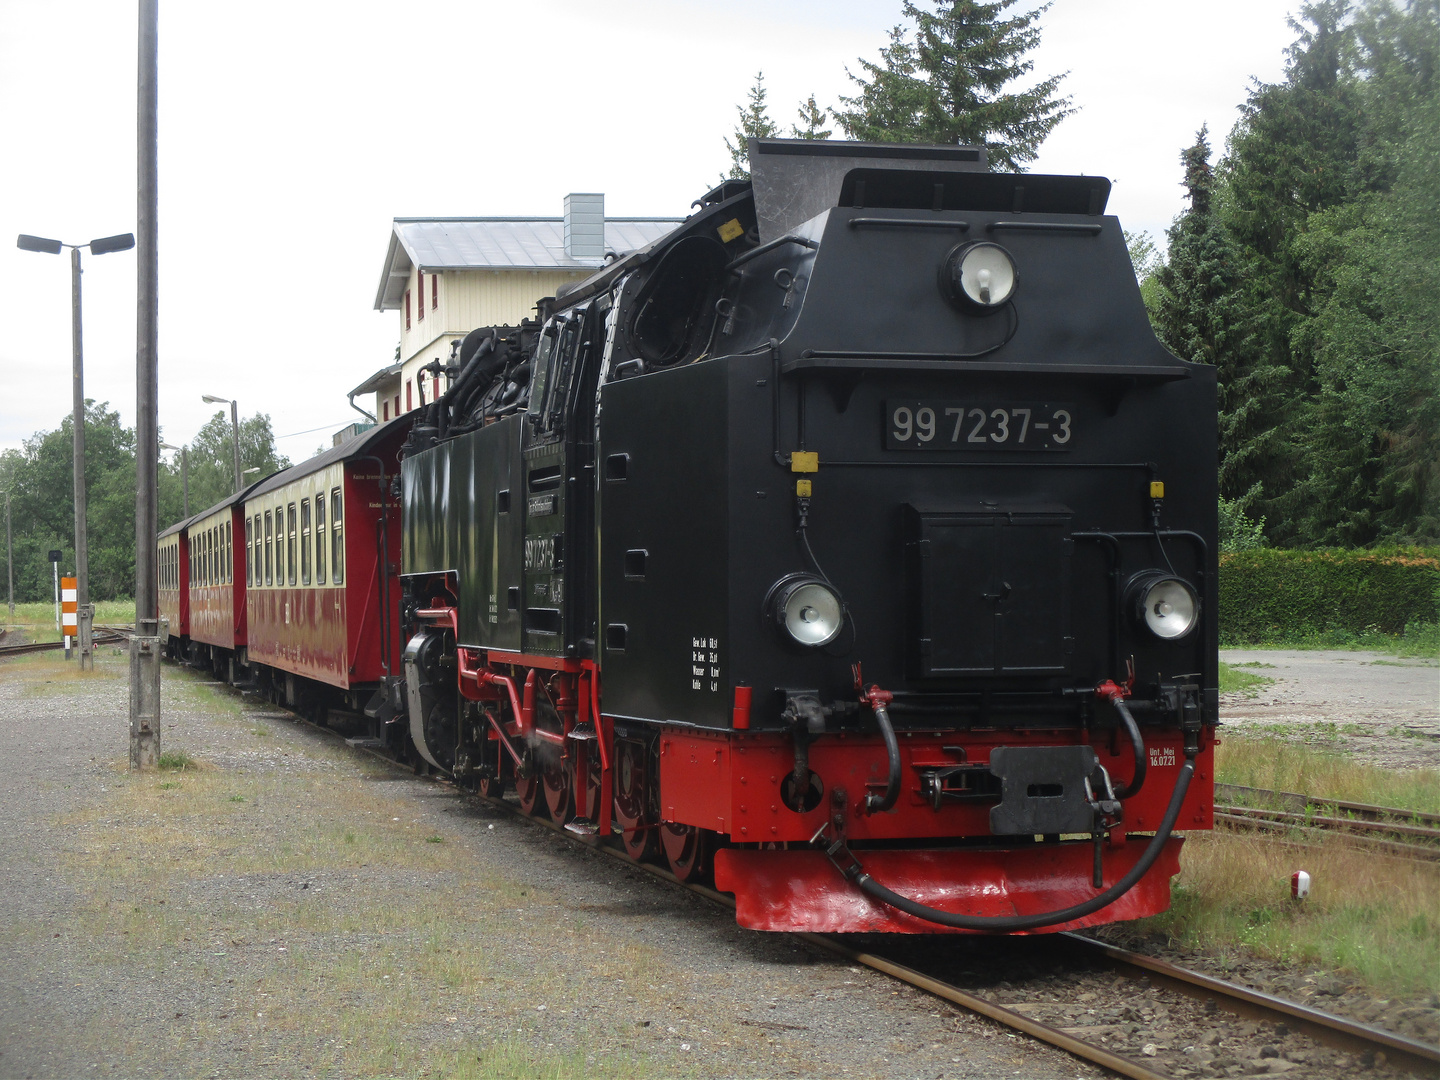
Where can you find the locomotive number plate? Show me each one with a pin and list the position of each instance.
(973, 425)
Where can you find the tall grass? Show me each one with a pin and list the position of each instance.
(1373, 916)
(35, 619)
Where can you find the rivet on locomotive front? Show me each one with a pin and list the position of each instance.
(853, 543)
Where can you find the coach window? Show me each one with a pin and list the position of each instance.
(229, 554)
(269, 550)
(304, 541)
(290, 544)
(337, 537)
(320, 539)
(249, 556)
(280, 545)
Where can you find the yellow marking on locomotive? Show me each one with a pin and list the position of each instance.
(730, 230)
(804, 461)
(1157, 489)
(802, 489)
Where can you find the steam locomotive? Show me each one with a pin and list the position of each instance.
(853, 544)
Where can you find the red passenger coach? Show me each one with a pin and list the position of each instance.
(321, 558)
(173, 566)
(217, 584)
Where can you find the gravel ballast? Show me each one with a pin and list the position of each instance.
(289, 906)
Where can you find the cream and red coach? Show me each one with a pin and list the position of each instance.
(217, 616)
(320, 560)
(173, 577)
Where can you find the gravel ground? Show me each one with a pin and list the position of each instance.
(1382, 710)
(291, 907)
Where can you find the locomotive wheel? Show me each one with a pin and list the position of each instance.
(559, 781)
(632, 817)
(528, 787)
(687, 850)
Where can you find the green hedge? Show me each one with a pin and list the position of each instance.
(1270, 593)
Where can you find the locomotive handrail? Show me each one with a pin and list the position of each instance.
(811, 359)
(1045, 226)
(901, 223)
(755, 253)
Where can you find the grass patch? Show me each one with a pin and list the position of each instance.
(177, 761)
(1281, 765)
(1233, 678)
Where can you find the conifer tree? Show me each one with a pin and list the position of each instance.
(812, 121)
(952, 83)
(755, 123)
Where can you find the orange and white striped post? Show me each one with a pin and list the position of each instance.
(69, 610)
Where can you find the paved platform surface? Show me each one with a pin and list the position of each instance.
(1382, 709)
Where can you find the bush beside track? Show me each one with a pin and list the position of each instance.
(1270, 595)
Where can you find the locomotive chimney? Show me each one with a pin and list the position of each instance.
(585, 226)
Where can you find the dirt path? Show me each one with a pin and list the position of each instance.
(1383, 710)
(295, 908)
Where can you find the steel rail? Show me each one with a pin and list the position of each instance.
(1302, 803)
(1423, 851)
(1319, 821)
(102, 636)
(1335, 1031)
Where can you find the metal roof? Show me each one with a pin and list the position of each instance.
(497, 243)
(374, 382)
(355, 447)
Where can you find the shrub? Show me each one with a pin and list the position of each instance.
(1268, 594)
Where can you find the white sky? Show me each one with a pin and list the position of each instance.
(292, 131)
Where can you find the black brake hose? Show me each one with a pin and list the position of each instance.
(1011, 923)
(877, 804)
(1137, 744)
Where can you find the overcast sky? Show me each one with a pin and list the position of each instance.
(292, 131)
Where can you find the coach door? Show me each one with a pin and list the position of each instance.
(559, 493)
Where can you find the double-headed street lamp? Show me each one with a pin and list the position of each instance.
(234, 430)
(103, 246)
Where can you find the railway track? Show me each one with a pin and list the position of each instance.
(1407, 833)
(1183, 1008)
(102, 635)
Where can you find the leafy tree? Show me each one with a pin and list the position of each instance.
(949, 84)
(755, 123)
(812, 121)
(212, 460)
(40, 478)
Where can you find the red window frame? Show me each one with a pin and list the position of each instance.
(420, 294)
(407, 309)
(409, 404)
(434, 294)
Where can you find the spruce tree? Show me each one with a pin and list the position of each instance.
(949, 84)
(755, 123)
(812, 121)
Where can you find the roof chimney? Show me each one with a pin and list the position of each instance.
(585, 226)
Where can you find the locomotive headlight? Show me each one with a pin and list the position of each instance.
(1163, 604)
(806, 609)
(980, 276)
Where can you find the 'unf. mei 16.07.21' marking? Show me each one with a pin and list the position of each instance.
(977, 426)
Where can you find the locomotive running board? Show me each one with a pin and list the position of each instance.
(802, 890)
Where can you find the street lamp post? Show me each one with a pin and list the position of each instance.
(103, 246)
(9, 559)
(184, 474)
(234, 430)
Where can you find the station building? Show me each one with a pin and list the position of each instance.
(444, 276)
